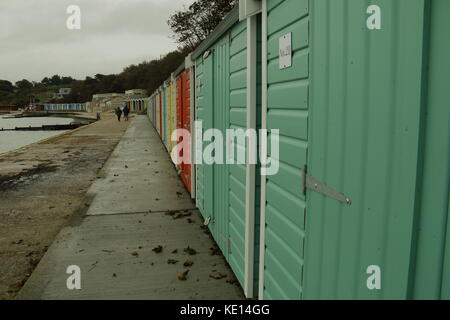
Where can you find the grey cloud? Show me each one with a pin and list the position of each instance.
(34, 40)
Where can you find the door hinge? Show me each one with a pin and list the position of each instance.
(314, 184)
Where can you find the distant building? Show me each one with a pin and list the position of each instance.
(116, 102)
(62, 92)
(136, 93)
(106, 96)
(108, 102)
(105, 102)
(65, 91)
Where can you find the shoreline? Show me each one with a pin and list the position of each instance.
(4, 154)
(81, 116)
(43, 189)
(85, 121)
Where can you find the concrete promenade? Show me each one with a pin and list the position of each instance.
(131, 242)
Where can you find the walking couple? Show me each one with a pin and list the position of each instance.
(125, 111)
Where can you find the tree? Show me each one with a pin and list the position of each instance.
(99, 77)
(193, 24)
(55, 80)
(6, 86)
(24, 84)
(46, 81)
(67, 80)
(90, 81)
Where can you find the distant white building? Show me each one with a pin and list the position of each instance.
(108, 102)
(62, 92)
(104, 102)
(136, 93)
(65, 91)
(106, 96)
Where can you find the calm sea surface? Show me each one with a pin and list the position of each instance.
(11, 140)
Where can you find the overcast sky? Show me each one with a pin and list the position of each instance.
(35, 42)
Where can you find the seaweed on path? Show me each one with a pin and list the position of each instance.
(14, 181)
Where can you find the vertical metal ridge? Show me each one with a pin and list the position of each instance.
(394, 99)
(342, 171)
(250, 170)
(431, 269)
(363, 172)
(323, 205)
(264, 82)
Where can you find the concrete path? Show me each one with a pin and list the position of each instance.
(136, 207)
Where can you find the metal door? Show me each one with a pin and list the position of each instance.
(179, 103)
(283, 205)
(220, 102)
(186, 121)
(161, 125)
(169, 116)
(203, 93)
(155, 104)
(208, 123)
(172, 113)
(237, 120)
(179, 119)
(212, 101)
(157, 113)
(364, 144)
(165, 115)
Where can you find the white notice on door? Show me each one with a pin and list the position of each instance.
(286, 51)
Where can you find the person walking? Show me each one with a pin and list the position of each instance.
(126, 112)
(118, 113)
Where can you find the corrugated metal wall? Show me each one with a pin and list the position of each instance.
(377, 108)
(367, 112)
(368, 102)
(432, 231)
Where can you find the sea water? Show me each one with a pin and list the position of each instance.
(11, 140)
